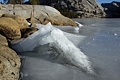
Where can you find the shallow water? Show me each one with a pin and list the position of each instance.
(100, 41)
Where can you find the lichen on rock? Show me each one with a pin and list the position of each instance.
(9, 28)
(20, 20)
(9, 61)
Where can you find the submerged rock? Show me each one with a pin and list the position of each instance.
(9, 61)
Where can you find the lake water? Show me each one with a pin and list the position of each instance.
(101, 44)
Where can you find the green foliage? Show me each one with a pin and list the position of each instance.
(34, 2)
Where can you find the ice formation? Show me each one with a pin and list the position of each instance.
(56, 39)
(80, 25)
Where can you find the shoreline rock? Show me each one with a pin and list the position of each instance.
(9, 28)
(38, 14)
(14, 27)
(22, 22)
(9, 61)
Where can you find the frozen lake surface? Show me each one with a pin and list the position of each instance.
(99, 39)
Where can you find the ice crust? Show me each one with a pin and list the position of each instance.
(47, 34)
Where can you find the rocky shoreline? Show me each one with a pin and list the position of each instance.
(9, 61)
(37, 14)
(14, 27)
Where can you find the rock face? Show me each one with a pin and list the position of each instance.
(77, 8)
(112, 9)
(23, 24)
(9, 28)
(9, 61)
(45, 14)
(37, 14)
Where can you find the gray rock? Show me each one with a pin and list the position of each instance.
(112, 9)
(37, 14)
(8, 8)
(45, 14)
(24, 11)
(90, 7)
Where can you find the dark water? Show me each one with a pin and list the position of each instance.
(101, 45)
